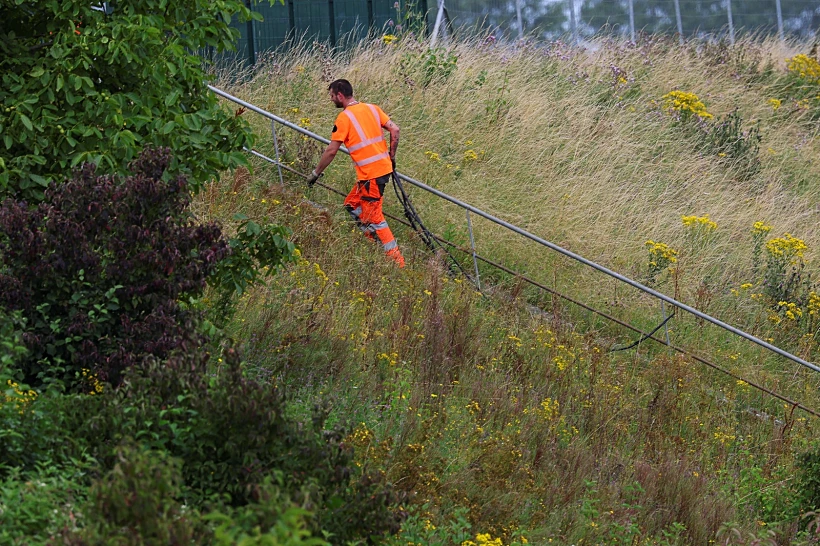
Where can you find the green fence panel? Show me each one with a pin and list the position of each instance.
(330, 21)
(312, 18)
(274, 29)
(352, 18)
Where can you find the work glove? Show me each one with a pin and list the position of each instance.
(313, 178)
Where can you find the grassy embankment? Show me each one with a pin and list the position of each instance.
(513, 421)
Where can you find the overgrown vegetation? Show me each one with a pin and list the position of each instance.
(315, 394)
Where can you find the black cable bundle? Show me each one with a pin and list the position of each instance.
(415, 222)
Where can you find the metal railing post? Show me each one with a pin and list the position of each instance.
(679, 22)
(665, 325)
(472, 247)
(332, 20)
(573, 26)
(276, 149)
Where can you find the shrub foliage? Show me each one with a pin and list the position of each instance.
(99, 269)
(81, 85)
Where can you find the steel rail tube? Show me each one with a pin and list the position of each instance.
(539, 240)
(273, 117)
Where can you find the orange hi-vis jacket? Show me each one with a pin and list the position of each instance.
(359, 128)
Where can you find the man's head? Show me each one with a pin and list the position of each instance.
(340, 92)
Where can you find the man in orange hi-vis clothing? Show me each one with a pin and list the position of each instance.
(360, 127)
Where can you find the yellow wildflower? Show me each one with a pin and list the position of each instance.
(790, 310)
(389, 38)
(814, 304)
(662, 250)
(775, 103)
(786, 247)
(761, 228)
(19, 397)
(685, 103)
(805, 67)
(702, 222)
(550, 409)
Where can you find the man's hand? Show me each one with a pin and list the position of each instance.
(313, 178)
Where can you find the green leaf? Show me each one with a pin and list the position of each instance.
(172, 97)
(253, 228)
(27, 122)
(167, 128)
(40, 180)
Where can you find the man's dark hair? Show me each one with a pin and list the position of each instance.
(341, 86)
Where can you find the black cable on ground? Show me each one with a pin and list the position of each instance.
(645, 337)
(415, 222)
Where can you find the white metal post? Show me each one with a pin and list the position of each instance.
(779, 20)
(665, 326)
(437, 25)
(520, 21)
(731, 22)
(572, 24)
(678, 20)
(472, 247)
(276, 149)
(632, 20)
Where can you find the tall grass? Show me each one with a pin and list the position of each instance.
(524, 421)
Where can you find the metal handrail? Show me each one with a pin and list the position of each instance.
(539, 240)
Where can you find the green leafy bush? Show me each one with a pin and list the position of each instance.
(11, 343)
(136, 503)
(231, 433)
(80, 85)
(257, 251)
(271, 519)
(39, 505)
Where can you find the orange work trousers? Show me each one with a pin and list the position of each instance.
(364, 203)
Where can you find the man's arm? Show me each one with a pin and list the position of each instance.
(324, 161)
(327, 156)
(394, 138)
